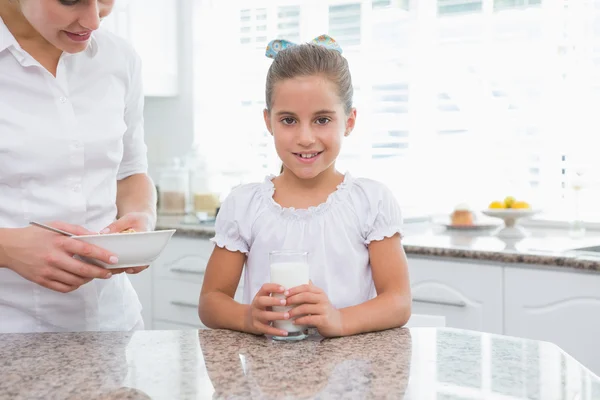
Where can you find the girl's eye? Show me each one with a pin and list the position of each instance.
(68, 2)
(288, 121)
(322, 121)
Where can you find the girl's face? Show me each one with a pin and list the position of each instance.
(66, 24)
(308, 121)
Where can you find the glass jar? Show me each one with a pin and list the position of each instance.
(203, 200)
(173, 188)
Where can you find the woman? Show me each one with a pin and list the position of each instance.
(72, 151)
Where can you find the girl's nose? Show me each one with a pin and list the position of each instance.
(306, 137)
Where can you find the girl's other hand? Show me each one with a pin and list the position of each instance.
(315, 309)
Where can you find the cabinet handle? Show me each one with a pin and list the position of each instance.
(184, 304)
(441, 302)
(187, 271)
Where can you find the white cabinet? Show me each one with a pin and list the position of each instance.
(562, 307)
(142, 283)
(151, 26)
(469, 295)
(177, 278)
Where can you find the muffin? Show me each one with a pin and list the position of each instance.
(462, 216)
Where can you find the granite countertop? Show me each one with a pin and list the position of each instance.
(549, 247)
(420, 363)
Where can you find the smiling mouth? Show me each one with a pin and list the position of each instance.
(308, 156)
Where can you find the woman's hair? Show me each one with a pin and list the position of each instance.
(311, 59)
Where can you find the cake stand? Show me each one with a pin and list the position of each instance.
(510, 216)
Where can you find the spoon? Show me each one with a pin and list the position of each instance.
(40, 225)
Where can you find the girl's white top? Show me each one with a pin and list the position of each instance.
(336, 234)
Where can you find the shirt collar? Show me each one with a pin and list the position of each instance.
(7, 40)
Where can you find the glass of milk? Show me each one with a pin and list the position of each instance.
(289, 268)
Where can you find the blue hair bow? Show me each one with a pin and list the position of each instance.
(275, 46)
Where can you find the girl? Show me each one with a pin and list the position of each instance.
(350, 226)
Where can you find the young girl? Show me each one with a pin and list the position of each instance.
(350, 226)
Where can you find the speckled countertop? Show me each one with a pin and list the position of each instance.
(422, 364)
(549, 247)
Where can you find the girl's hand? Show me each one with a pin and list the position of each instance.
(315, 309)
(260, 313)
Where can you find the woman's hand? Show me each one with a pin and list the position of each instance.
(46, 258)
(139, 222)
(260, 313)
(314, 308)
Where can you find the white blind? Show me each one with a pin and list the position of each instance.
(458, 100)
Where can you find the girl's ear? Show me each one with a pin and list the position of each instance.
(350, 122)
(266, 116)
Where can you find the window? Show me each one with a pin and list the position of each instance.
(458, 100)
(507, 4)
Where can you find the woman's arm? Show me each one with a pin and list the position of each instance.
(217, 308)
(392, 306)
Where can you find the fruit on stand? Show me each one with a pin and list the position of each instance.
(509, 203)
(496, 204)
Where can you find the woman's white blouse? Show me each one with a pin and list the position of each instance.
(336, 234)
(64, 143)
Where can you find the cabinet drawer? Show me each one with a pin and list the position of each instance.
(177, 301)
(469, 295)
(185, 259)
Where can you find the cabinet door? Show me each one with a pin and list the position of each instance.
(561, 307)
(151, 27)
(184, 259)
(142, 283)
(469, 295)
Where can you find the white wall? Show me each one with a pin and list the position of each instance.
(169, 121)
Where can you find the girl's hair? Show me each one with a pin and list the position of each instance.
(311, 59)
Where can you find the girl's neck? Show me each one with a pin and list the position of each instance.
(291, 191)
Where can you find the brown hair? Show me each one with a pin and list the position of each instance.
(311, 59)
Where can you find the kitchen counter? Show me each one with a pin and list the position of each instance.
(420, 363)
(544, 247)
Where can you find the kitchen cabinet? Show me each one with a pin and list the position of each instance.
(151, 27)
(468, 295)
(561, 307)
(170, 289)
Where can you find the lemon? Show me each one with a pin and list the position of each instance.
(520, 204)
(496, 204)
(509, 201)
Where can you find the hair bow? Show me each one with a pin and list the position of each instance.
(275, 46)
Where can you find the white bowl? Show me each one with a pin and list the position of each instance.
(510, 216)
(133, 249)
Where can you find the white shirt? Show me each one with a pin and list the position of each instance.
(64, 143)
(336, 234)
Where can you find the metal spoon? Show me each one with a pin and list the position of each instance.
(50, 228)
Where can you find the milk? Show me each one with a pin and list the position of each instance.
(288, 275)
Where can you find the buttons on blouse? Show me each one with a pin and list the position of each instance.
(77, 188)
(63, 99)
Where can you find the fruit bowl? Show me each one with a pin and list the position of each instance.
(510, 216)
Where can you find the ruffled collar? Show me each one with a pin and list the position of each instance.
(268, 190)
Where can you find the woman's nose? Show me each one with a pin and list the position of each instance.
(90, 16)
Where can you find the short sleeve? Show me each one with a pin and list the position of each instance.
(231, 225)
(384, 217)
(135, 160)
